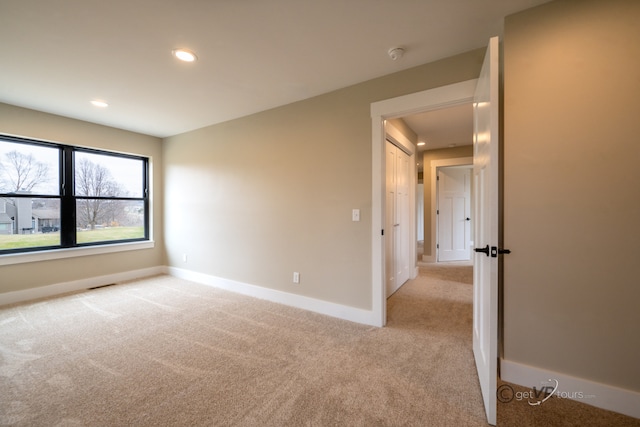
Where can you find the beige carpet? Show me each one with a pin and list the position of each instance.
(165, 351)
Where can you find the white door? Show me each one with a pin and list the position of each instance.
(454, 213)
(390, 217)
(485, 264)
(397, 227)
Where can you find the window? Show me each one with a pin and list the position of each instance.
(55, 196)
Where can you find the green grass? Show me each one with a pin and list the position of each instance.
(106, 234)
(14, 241)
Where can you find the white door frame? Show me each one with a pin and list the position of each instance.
(432, 99)
(435, 164)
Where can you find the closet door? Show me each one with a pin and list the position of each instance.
(390, 217)
(397, 227)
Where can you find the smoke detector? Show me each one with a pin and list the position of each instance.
(396, 53)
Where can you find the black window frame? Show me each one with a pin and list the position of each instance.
(68, 198)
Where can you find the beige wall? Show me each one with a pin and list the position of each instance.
(428, 156)
(257, 198)
(33, 124)
(571, 199)
(402, 126)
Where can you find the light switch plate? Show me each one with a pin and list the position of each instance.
(355, 215)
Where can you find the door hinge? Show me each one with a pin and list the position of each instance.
(437, 245)
(382, 232)
(437, 211)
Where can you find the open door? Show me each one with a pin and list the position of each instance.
(485, 257)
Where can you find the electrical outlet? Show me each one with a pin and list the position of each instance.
(296, 277)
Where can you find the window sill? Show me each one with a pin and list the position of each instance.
(20, 258)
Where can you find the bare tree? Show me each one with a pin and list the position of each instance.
(94, 180)
(22, 172)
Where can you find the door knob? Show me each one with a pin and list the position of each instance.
(484, 250)
(467, 219)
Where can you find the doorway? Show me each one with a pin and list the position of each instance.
(433, 99)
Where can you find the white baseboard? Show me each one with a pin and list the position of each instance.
(344, 312)
(600, 395)
(76, 285)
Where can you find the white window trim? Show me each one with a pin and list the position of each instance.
(25, 257)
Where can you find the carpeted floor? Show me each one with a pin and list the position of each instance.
(164, 351)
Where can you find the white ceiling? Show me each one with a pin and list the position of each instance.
(448, 127)
(57, 55)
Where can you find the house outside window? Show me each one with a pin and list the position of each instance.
(55, 196)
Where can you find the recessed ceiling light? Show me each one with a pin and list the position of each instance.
(184, 55)
(98, 103)
(421, 143)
